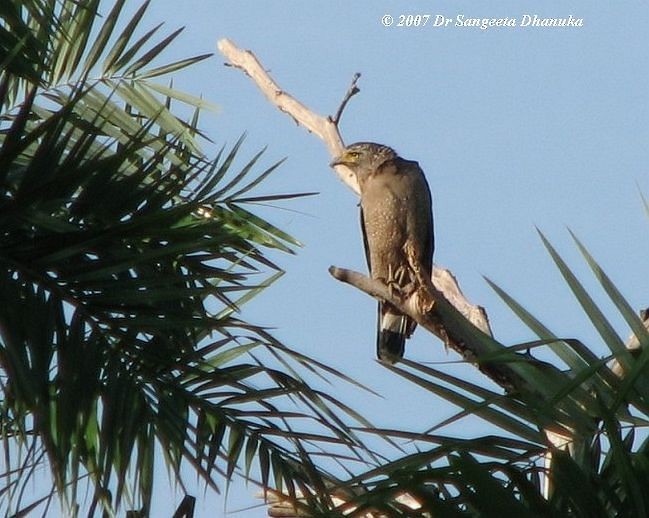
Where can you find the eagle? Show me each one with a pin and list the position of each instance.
(397, 225)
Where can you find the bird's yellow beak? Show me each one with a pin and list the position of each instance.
(339, 160)
(345, 158)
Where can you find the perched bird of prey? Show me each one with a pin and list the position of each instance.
(397, 224)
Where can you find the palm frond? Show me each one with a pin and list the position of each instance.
(600, 468)
(125, 256)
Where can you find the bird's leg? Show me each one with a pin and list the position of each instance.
(406, 283)
(425, 289)
(400, 275)
(393, 282)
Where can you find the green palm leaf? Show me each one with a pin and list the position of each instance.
(125, 255)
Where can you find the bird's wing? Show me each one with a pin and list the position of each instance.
(429, 226)
(421, 213)
(365, 244)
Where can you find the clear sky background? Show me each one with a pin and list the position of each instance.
(514, 127)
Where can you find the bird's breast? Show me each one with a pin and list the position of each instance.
(385, 224)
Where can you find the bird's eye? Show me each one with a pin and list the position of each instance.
(353, 154)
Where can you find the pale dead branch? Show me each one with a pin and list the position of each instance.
(326, 129)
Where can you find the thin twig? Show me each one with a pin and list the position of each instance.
(351, 92)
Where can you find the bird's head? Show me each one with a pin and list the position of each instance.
(364, 156)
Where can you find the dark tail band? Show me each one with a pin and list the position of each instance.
(391, 335)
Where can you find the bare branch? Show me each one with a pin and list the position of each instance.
(446, 322)
(326, 129)
(323, 127)
(447, 284)
(351, 92)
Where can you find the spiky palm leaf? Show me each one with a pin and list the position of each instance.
(125, 254)
(600, 469)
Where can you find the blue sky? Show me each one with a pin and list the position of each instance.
(514, 127)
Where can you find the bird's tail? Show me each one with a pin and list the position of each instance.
(391, 334)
